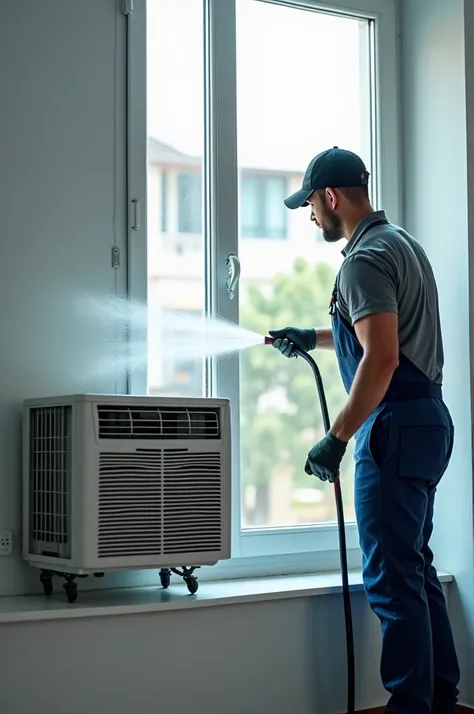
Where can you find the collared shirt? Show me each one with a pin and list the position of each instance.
(386, 270)
(360, 228)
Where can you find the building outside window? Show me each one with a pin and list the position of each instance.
(263, 213)
(189, 202)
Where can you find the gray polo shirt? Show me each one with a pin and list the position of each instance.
(386, 270)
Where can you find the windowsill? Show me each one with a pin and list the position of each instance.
(133, 601)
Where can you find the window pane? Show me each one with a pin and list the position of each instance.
(175, 150)
(182, 373)
(262, 213)
(275, 218)
(189, 202)
(164, 201)
(290, 107)
(249, 206)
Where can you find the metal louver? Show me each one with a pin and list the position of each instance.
(50, 481)
(192, 502)
(130, 504)
(159, 502)
(154, 422)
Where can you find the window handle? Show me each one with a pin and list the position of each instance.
(233, 274)
(136, 215)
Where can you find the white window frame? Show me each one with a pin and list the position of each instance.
(261, 546)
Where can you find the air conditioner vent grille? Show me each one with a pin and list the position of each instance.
(50, 481)
(159, 502)
(192, 503)
(155, 422)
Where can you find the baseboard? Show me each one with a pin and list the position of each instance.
(462, 709)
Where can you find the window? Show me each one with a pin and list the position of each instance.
(164, 201)
(175, 274)
(181, 372)
(280, 420)
(236, 121)
(263, 213)
(189, 202)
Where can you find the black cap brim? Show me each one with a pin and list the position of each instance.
(299, 199)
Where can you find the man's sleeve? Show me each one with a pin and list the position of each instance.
(366, 287)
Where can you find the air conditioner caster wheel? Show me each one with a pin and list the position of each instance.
(165, 578)
(71, 591)
(192, 583)
(46, 579)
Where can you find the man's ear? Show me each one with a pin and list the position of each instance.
(332, 198)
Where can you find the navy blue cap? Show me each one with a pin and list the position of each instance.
(334, 168)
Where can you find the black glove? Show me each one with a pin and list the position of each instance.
(288, 338)
(325, 458)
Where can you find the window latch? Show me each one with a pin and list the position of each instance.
(233, 274)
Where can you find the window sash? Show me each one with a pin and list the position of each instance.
(137, 142)
(221, 213)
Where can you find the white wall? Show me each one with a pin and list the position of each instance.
(62, 205)
(268, 658)
(438, 128)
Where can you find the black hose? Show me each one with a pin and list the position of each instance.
(342, 543)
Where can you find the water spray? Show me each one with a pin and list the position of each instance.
(341, 531)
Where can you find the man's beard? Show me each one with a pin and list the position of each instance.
(331, 225)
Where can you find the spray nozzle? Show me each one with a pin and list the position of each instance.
(268, 340)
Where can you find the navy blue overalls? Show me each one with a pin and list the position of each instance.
(401, 453)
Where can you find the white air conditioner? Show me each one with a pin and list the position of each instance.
(118, 483)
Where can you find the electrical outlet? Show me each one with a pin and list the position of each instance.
(6, 543)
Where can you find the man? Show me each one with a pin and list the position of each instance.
(386, 332)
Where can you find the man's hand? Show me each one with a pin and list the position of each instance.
(288, 338)
(325, 458)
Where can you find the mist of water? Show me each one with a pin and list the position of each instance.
(157, 335)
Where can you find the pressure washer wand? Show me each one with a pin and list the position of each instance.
(342, 536)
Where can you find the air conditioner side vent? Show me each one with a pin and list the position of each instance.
(155, 422)
(50, 480)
